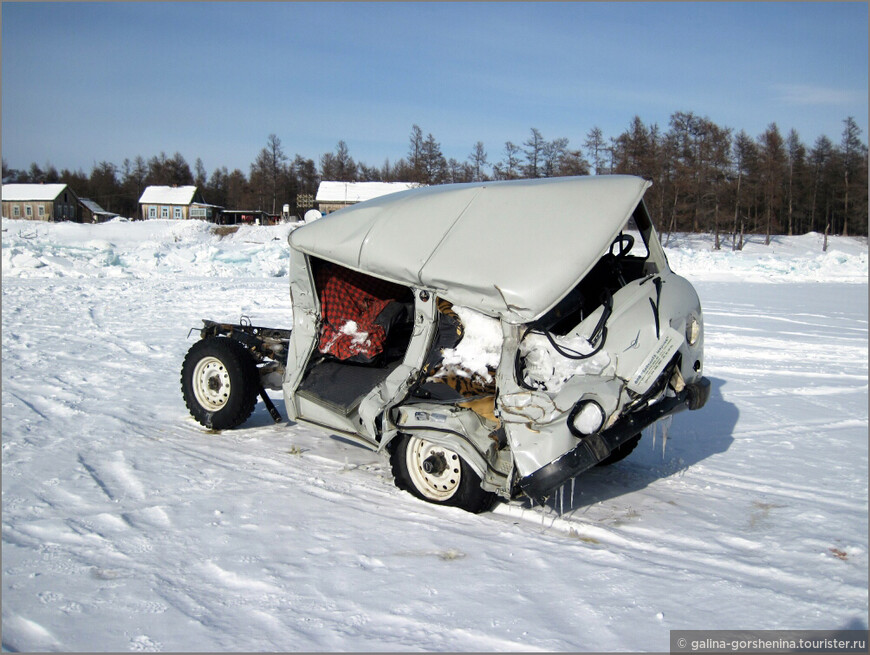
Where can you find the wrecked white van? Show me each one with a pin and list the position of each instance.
(591, 336)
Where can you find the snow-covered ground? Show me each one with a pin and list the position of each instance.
(127, 526)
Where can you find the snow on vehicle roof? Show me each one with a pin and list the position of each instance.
(22, 192)
(511, 249)
(168, 195)
(359, 191)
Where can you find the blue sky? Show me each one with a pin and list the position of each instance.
(85, 82)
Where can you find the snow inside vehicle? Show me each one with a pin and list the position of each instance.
(594, 337)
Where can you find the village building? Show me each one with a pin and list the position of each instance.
(41, 202)
(91, 212)
(175, 202)
(247, 217)
(332, 196)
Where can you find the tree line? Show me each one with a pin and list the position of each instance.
(705, 177)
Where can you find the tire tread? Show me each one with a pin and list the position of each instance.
(244, 381)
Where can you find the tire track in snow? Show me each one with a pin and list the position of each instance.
(29, 405)
(116, 479)
(644, 551)
(788, 492)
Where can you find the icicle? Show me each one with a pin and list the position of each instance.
(655, 431)
(666, 426)
(572, 492)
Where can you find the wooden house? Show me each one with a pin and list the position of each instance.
(40, 202)
(332, 196)
(175, 202)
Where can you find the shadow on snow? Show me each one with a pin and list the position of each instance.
(691, 438)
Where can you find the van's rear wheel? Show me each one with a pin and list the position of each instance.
(437, 475)
(219, 382)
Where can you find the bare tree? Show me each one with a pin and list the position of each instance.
(773, 163)
(796, 154)
(347, 167)
(595, 146)
(553, 155)
(820, 158)
(415, 153)
(478, 160)
(534, 151)
(305, 173)
(745, 158)
(852, 156)
(339, 166)
(508, 168)
(432, 162)
(200, 174)
(267, 170)
(103, 184)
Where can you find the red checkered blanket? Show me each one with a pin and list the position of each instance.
(349, 304)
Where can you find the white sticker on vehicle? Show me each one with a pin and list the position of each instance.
(655, 363)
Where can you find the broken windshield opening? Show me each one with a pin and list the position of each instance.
(627, 258)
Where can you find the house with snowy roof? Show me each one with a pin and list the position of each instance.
(332, 196)
(42, 202)
(176, 202)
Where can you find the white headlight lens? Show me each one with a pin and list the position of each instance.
(693, 330)
(589, 418)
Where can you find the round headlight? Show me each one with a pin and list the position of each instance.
(587, 417)
(693, 330)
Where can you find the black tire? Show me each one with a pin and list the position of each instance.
(621, 451)
(219, 382)
(457, 485)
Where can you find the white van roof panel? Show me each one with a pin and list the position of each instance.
(510, 249)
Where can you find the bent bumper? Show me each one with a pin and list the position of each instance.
(596, 447)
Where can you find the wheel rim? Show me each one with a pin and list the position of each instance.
(211, 383)
(437, 483)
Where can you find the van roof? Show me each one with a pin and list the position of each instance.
(510, 249)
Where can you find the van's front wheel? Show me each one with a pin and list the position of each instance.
(437, 475)
(621, 452)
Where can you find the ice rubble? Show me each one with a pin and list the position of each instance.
(122, 248)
